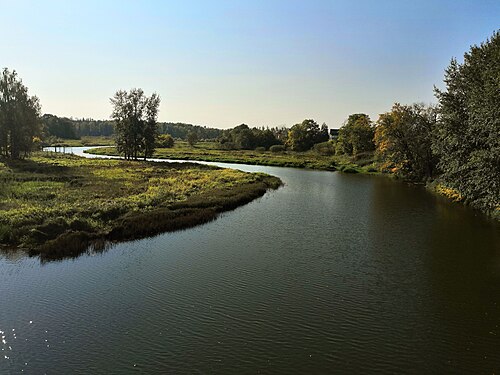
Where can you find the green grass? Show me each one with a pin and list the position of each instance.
(84, 141)
(56, 205)
(209, 151)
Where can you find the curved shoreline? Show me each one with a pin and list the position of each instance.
(433, 186)
(70, 235)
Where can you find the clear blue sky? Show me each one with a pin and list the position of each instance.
(222, 63)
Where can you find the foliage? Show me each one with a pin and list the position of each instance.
(19, 116)
(324, 148)
(192, 138)
(135, 122)
(277, 148)
(276, 156)
(181, 130)
(303, 136)
(467, 139)
(165, 141)
(242, 137)
(403, 138)
(356, 135)
(60, 127)
(50, 200)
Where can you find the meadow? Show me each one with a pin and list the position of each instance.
(210, 151)
(58, 205)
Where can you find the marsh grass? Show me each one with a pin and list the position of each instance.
(59, 205)
(210, 151)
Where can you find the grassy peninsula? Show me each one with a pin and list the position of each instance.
(57, 205)
(210, 151)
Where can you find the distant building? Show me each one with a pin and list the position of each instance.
(334, 133)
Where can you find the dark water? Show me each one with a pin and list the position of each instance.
(332, 273)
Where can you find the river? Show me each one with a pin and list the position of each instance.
(332, 273)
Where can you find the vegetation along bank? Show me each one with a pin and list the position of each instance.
(57, 205)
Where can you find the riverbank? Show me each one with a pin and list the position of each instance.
(85, 141)
(209, 151)
(57, 205)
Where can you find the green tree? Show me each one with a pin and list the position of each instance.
(301, 137)
(19, 116)
(467, 138)
(135, 118)
(59, 127)
(192, 138)
(165, 141)
(356, 135)
(403, 138)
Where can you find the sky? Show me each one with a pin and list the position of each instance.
(223, 63)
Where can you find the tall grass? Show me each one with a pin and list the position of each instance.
(58, 205)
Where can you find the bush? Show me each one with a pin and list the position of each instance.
(324, 148)
(260, 149)
(277, 148)
(227, 146)
(165, 141)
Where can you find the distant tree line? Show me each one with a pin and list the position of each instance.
(243, 138)
(69, 128)
(180, 130)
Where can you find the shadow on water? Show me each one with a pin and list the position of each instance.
(445, 301)
(59, 238)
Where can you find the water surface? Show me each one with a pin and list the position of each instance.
(333, 273)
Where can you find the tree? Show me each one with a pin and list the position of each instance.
(19, 116)
(356, 135)
(403, 138)
(301, 137)
(165, 141)
(59, 127)
(242, 137)
(192, 138)
(135, 118)
(467, 138)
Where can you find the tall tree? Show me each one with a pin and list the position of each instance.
(403, 138)
(192, 137)
(19, 116)
(356, 135)
(467, 139)
(135, 118)
(301, 137)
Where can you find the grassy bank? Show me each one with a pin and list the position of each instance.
(83, 142)
(209, 151)
(57, 205)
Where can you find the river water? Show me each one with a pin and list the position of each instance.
(332, 273)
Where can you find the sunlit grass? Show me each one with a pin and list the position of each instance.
(50, 196)
(210, 151)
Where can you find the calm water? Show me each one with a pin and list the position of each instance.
(332, 273)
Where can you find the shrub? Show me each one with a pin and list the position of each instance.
(324, 148)
(277, 148)
(228, 146)
(165, 141)
(260, 149)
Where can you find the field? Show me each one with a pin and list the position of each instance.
(209, 151)
(83, 141)
(56, 205)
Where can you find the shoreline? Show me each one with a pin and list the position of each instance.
(434, 186)
(75, 227)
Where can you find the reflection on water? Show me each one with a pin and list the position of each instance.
(333, 273)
